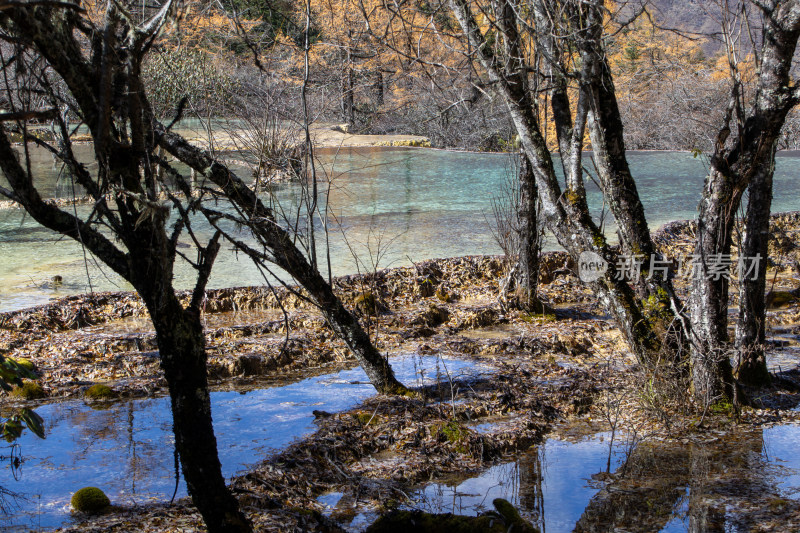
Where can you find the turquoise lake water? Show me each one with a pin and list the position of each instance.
(394, 206)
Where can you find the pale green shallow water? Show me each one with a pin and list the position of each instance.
(429, 204)
(403, 205)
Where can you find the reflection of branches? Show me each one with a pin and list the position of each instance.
(8, 498)
(650, 489)
(15, 460)
(9, 501)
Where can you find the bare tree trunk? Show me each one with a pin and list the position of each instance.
(566, 213)
(529, 242)
(622, 196)
(179, 336)
(737, 161)
(347, 104)
(181, 345)
(379, 88)
(712, 374)
(106, 92)
(751, 364)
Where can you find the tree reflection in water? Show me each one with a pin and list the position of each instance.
(667, 484)
(10, 500)
(728, 485)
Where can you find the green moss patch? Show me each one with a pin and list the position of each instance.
(366, 417)
(30, 390)
(27, 364)
(89, 500)
(100, 392)
(454, 433)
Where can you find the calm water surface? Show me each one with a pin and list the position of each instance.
(394, 206)
(126, 448)
(586, 485)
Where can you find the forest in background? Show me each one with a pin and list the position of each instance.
(399, 77)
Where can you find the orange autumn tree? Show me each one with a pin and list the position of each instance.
(368, 55)
(677, 80)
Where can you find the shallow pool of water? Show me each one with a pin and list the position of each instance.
(127, 448)
(588, 486)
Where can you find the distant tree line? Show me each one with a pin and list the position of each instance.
(676, 79)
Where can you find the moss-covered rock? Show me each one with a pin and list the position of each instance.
(89, 500)
(100, 392)
(30, 390)
(453, 431)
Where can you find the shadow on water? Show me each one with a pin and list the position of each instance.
(727, 485)
(126, 448)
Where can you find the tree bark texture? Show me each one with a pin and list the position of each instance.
(737, 162)
(529, 243)
(348, 88)
(751, 363)
(181, 346)
(111, 100)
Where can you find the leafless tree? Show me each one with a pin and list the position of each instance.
(556, 48)
(527, 49)
(66, 69)
(743, 160)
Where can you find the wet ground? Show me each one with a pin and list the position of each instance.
(551, 382)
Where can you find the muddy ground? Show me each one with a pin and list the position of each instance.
(545, 373)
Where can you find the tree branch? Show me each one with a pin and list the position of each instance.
(45, 114)
(4, 4)
(50, 216)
